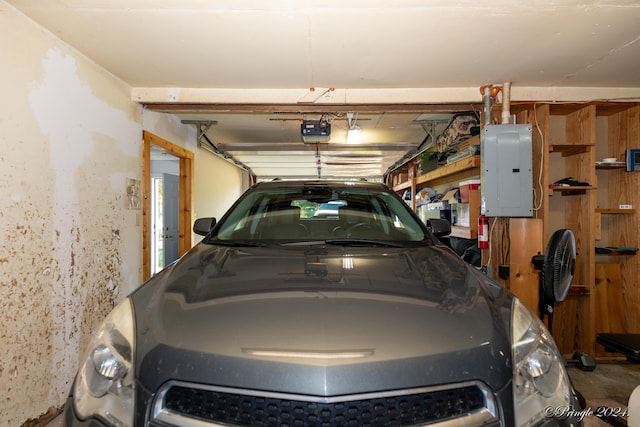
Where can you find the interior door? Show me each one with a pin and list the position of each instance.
(154, 147)
(171, 217)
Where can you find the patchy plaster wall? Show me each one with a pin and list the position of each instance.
(70, 138)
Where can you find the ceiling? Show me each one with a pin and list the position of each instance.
(247, 73)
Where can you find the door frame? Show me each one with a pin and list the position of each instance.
(186, 159)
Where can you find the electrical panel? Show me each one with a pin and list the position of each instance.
(506, 171)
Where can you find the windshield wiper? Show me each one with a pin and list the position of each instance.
(363, 242)
(304, 243)
(345, 242)
(235, 243)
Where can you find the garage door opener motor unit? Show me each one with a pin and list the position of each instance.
(315, 130)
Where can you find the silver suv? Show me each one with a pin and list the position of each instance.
(281, 317)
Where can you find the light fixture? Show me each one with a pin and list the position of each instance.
(353, 134)
(347, 262)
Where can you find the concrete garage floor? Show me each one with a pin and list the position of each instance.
(609, 385)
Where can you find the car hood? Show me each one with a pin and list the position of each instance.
(321, 321)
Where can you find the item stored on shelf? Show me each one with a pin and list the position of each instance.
(461, 127)
(465, 186)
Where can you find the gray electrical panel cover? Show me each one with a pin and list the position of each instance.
(506, 183)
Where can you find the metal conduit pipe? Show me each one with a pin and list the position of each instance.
(487, 105)
(506, 102)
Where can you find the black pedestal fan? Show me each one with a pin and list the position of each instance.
(557, 267)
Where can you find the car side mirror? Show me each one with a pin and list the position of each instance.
(439, 227)
(203, 226)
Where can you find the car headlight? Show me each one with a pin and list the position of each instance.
(104, 386)
(540, 379)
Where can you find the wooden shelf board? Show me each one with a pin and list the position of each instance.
(573, 190)
(565, 108)
(449, 173)
(605, 211)
(579, 291)
(463, 232)
(474, 140)
(617, 165)
(617, 252)
(403, 186)
(570, 149)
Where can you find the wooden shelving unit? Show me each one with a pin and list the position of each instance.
(575, 127)
(605, 292)
(470, 232)
(618, 288)
(571, 136)
(460, 170)
(450, 174)
(565, 147)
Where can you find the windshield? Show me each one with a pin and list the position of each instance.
(320, 213)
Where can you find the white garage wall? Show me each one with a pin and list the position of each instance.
(70, 137)
(217, 184)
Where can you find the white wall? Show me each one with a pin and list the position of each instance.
(217, 184)
(70, 137)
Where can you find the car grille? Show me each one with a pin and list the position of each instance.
(182, 402)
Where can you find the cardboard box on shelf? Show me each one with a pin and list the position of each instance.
(465, 186)
(451, 196)
(400, 178)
